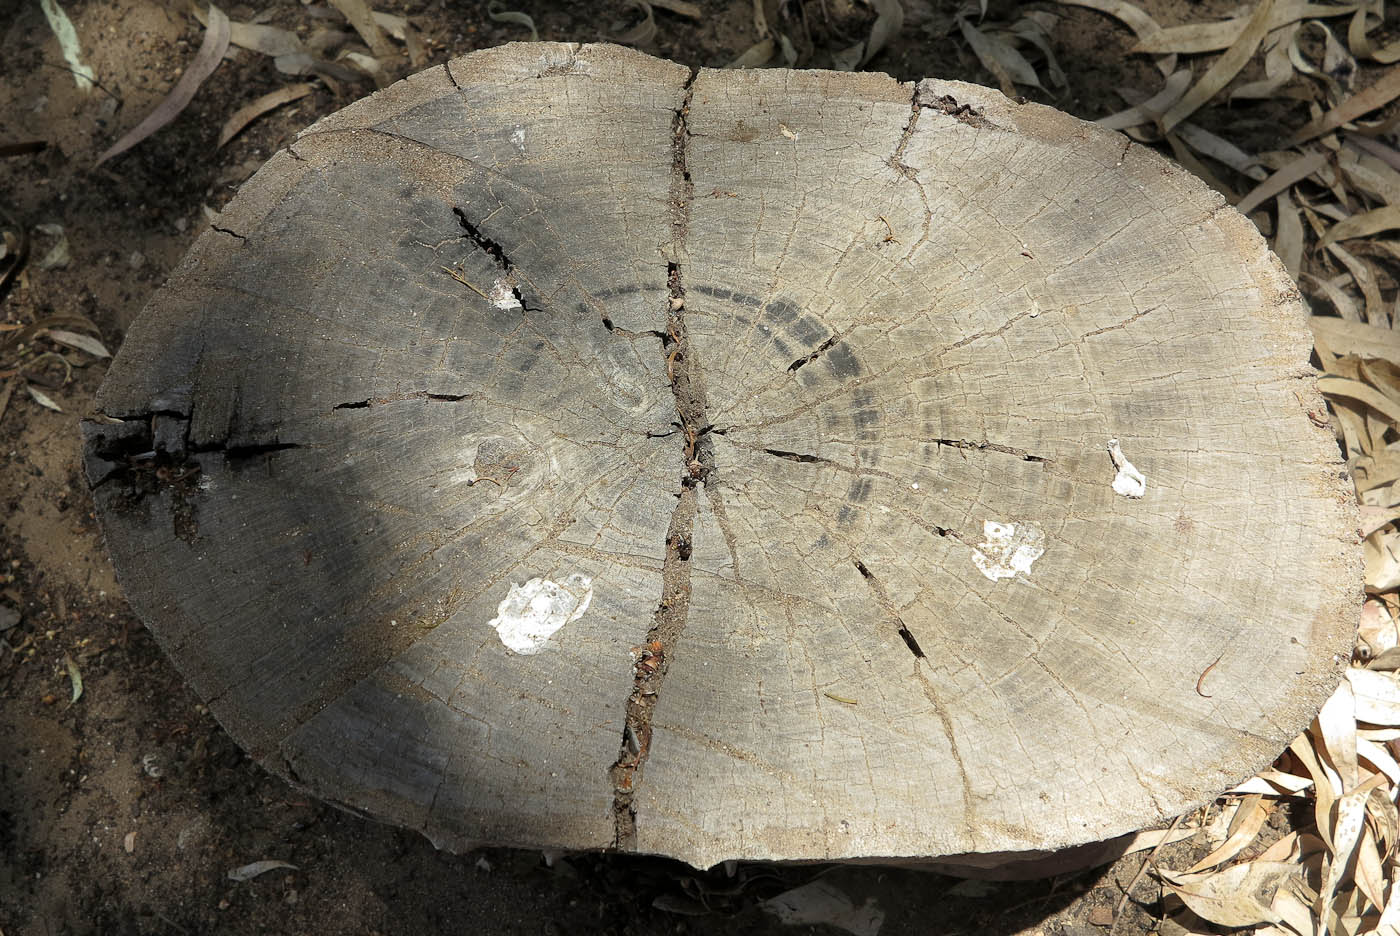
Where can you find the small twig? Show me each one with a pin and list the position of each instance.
(465, 282)
(91, 78)
(1202, 678)
(1149, 860)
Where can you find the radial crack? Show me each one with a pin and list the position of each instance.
(497, 253)
(985, 446)
(652, 660)
(804, 361)
(882, 598)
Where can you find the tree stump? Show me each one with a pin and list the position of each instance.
(559, 449)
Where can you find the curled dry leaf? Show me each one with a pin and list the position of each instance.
(499, 14)
(58, 256)
(75, 679)
(252, 111)
(645, 31)
(211, 52)
(1377, 629)
(1241, 895)
(1142, 25)
(1249, 819)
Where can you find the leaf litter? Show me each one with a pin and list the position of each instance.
(1328, 201)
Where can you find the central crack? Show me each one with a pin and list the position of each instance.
(652, 660)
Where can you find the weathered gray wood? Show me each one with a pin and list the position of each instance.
(789, 341)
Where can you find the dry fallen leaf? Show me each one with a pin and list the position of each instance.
(252, 111)
(249, 871)
(1385, 90)
(43, 399)
(81, 342)
(1238, 896)
(361, 18)
(211, 52)
(1224, 69)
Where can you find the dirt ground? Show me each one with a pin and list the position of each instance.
(123, 812)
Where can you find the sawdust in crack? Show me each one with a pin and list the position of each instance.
(652, 660)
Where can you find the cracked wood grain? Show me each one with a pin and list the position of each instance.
(830, 432)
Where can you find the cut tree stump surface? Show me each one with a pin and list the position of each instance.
(557, 449)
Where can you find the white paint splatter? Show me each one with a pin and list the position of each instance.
(531, 613)
(503, 295)
(1129, 481)
(1008, 549)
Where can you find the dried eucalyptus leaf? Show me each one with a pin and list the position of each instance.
(1385, 90)
(679, 7)
(1195, 38)
(211, 52)
(1249, 819)
(249, 871)
(1237, 896)
(645, 31)
(1377, 696)
(1150, 110)
(984, 48)
(42, 398)
(822, 903)
(1224, 69)
(758, 55)
(82, 342)
(58, 256)
(250, 112)
(358, 14)
(1142, 25)
(75, 679)
(1364, 225)
(392, 23)
(497, 14)
(1285, 178)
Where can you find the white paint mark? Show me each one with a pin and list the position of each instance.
(530, 614)
(503, 295)
(1129, 481)
(518, 138)
(1008, 549)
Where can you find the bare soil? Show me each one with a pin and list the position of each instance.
(124, 811)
